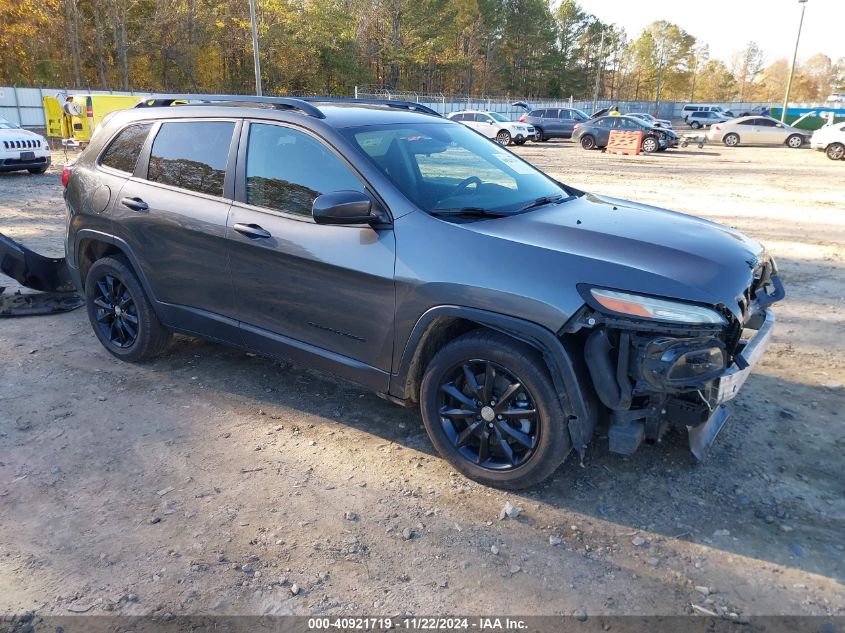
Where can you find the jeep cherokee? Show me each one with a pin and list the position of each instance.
(412, 255)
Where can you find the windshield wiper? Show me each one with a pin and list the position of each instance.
(539, 202)
(471, 211)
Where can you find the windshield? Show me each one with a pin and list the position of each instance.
(446, 166)
(499, 117)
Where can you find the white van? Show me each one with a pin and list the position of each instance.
(700, 107)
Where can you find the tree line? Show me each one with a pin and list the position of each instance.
(526, 48)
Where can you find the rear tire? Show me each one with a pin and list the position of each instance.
(731, 140)
(695, 125)
(511, 444)
(795, 141)
(539, 135)
(835, 151)
(588, 142)
(120, 313)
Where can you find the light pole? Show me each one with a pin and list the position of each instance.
(803, 4)
(258, 90)
(598, 71)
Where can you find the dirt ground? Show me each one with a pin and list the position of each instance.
(213, 481)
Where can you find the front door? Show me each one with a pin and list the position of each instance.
(301, 288)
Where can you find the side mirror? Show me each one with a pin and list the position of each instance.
(343, 207)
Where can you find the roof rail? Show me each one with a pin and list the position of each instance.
(404, 105)
(286, 103)
(303, 104)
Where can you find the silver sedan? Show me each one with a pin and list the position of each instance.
(757, 130)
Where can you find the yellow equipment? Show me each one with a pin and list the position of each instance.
(77, 116)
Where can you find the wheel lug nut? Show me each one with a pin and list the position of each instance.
(499, 417)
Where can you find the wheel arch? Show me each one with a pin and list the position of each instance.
(93, 245)
(441, 324)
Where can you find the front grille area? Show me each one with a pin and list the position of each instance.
(22, 144)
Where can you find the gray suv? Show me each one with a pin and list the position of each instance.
(553, 122)
(412, 255)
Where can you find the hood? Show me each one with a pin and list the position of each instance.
(629, 246)
(18, 133)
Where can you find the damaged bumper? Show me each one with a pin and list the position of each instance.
(48, 275)
(650, 376)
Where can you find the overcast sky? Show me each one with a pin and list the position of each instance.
(728, 26)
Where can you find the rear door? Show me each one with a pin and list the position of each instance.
(173, 213)
(302, 287)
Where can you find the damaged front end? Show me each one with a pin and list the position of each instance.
(656, 362)
(48, 275)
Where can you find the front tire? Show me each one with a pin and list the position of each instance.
(38, 170)
(795, 141)
(503, 137)
(731, 140)
(835, 151)
(650, 145)
(588, 142)
(120, 313)
(491, 411)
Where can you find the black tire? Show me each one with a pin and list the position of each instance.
(38, 170)
(537, 443)
(520, 142)
(539, 134)
(588, 142)
(503, 137)
(650, 145)
(731, 139)
(795, 141)
(695, 125)
(835, 151)
(120, 313)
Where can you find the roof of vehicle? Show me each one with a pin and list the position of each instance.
(472, 112)
(337, 113)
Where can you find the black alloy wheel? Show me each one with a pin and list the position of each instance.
(488, 415)
(116, 312)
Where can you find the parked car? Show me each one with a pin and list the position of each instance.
(495, 126)
(400, 250)
(644, 116)
(690, 108)
(22, 150)
(595, 133)
(757, 130)
(553, 122)
(830, 139)
(699, 120)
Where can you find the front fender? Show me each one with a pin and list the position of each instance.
(565, 365)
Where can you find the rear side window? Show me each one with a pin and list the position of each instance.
(286, 170)
(126, 147)
(192, 155)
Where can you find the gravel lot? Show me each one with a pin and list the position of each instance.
(212, 481)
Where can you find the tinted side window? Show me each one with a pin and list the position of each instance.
(125, 148)
(749, 122)
(602, 123)
(537, 113)
(481, 118)
(766, 123)
(192, 155)
(459, 117)
(286, 170)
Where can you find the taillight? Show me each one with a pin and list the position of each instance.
(90, 108)
(66, 174)
(522, 119)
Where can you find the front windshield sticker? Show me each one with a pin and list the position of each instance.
(513, 162)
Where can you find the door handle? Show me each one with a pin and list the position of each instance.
(136, 204)
(252, 231)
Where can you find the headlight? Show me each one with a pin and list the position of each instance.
(632, 305)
